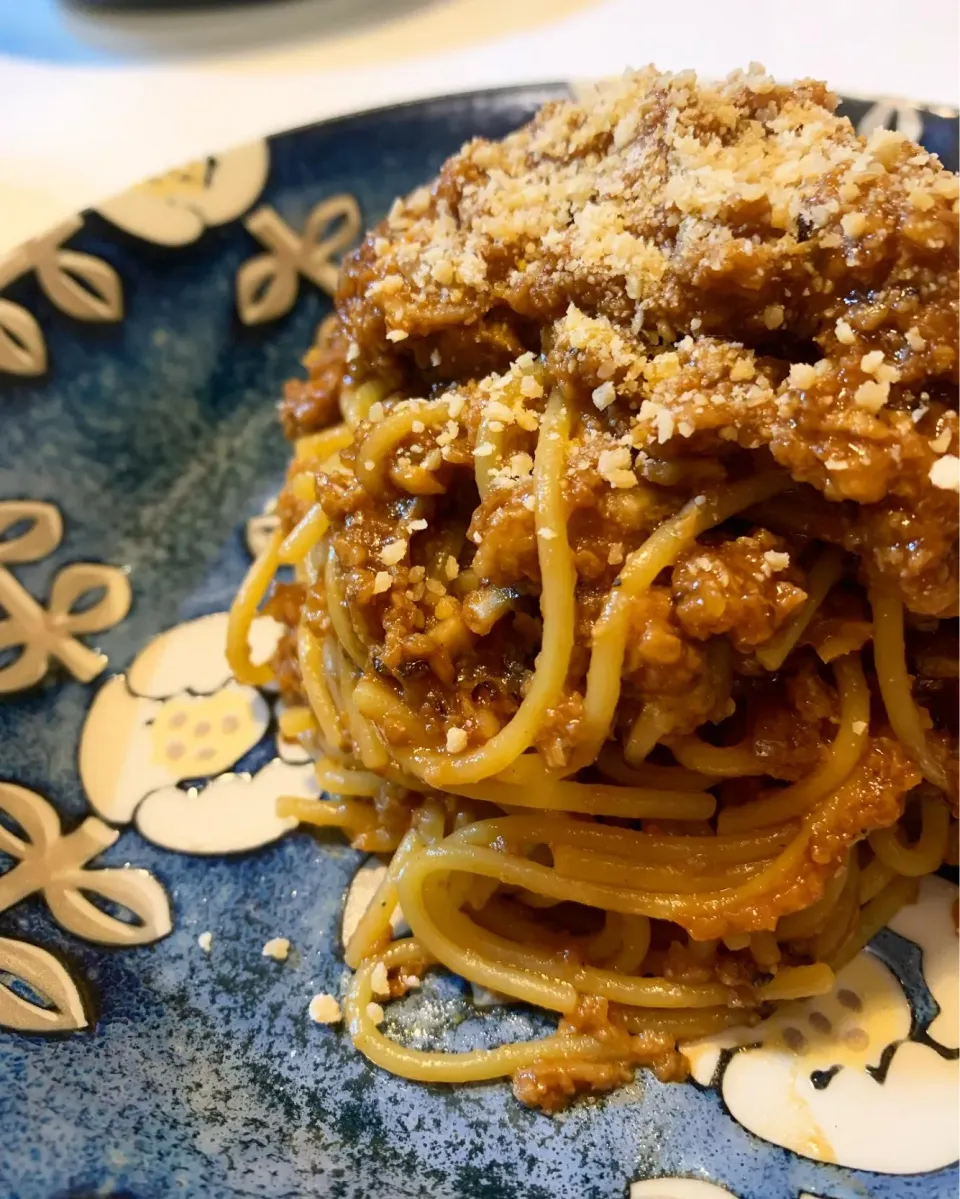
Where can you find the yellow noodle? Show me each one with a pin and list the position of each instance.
(594, 868)
(636, 932)
(646, 774)
(356, 402)
(473, 1065)
(557, 605)
(301, 539)
(316, 447)
(658, 552)
(487, 464)
(842, 918)
(372, 463)
(596, 799)
(875, 915)
(295, 721)
(315, 684)
(726, 761)
(843, 755)
(374, 929)
(338, 610)
(926, 854)
(243, 612)
(889, 655)
(824, 574)
(342, 781)
(808, 921)
(873, 878)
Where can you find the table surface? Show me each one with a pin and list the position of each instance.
(93, 102)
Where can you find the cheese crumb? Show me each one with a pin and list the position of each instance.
(773, 316)
(604, 395)
(205, 941)
(776, 559)
(324, 1009)
(884, 145)
(859, 726)
(416, 526)
(615, 466)
(485, 449)
(456, 740)
(375, 1013)
(277, 948)
(451, 567)
(393, 551)
(546, 534)
(914, 340)
(615, 556)
(435, 358)
(845, 334)
(382, 582)
(802, 375)
(853, 224)
(871, 395)
(871, 363)
(397, 335)
(353, 352)
(531, 387)
(380, 980)
(945, 473)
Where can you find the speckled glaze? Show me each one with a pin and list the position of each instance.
(200, 1074)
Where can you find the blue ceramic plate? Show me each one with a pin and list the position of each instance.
(148, 1046)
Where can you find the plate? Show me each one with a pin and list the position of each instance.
(148, 1046)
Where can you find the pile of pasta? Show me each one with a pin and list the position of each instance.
(646, 874)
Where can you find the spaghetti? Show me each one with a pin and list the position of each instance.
(624, 585)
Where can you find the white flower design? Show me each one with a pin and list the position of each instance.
(84, 287)
(56, 865)
(174, 209)
(838, 1078)
(678, 1188)
(37, 632)
(178, 717)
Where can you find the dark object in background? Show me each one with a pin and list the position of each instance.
(169, 5)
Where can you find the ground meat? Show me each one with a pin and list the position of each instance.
(313, 403)
(284, 605)
(703, 207)
(745, 588)
(872, 797)
(551, 1086)
(803, 280)
(791, 723)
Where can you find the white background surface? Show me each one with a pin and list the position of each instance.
(89, 105)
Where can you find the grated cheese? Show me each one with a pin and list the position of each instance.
(277, 948)
(945, 473)
(393, 551)
(456, 740)
(324, 1009)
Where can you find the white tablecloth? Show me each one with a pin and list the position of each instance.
(90, 105)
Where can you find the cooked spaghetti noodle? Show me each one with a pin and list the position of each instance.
(622, 519)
